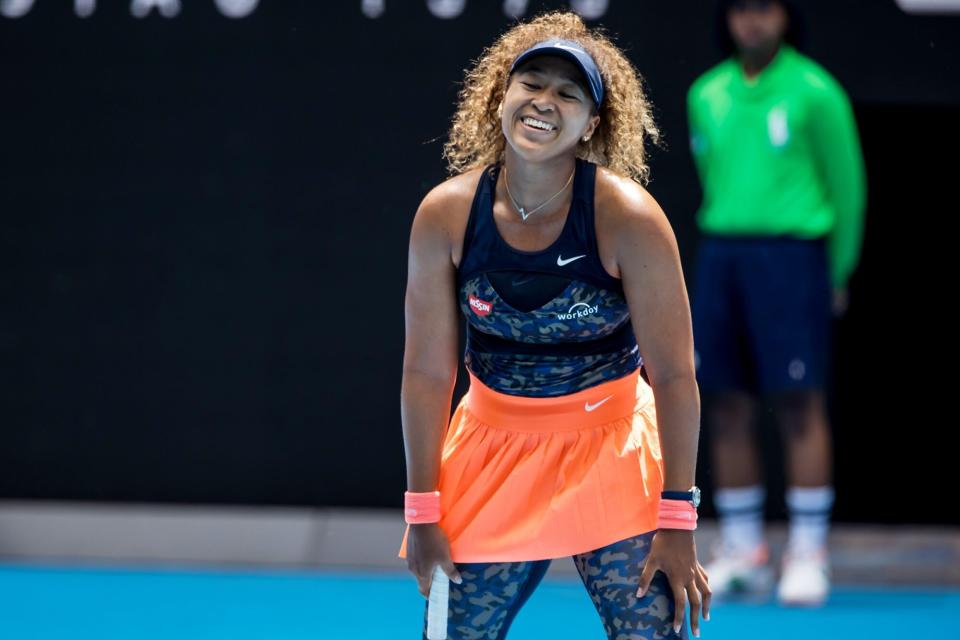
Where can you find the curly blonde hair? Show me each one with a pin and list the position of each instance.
(476, 138)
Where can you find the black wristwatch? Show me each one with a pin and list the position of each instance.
(692, 496)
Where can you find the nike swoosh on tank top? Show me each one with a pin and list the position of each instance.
(544, 323)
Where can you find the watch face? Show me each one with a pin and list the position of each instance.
(696, 496)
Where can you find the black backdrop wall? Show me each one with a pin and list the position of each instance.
(203, 229)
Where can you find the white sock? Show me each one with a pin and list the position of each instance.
(810, 509)
(740, 511)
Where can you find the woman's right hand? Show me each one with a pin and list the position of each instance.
(427, 547)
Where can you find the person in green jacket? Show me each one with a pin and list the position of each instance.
(776, 149)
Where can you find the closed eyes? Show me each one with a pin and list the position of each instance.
(534, 87)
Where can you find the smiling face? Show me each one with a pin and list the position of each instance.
(547, 109)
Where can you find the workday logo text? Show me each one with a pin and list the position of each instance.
(577, 311)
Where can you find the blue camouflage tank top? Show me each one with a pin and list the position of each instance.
(543, 323)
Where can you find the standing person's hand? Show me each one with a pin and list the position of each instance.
(427, 547)
(841, 301)
(673, 552)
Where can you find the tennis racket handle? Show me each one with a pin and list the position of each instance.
(437, 605)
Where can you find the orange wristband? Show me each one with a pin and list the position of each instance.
(421, 508)
(677, 514)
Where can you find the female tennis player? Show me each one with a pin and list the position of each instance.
(568, 275)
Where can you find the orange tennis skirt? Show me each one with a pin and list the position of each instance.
(535, 478)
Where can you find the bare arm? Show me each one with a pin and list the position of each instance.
(653, 282)
(649, 265)
(430, 351)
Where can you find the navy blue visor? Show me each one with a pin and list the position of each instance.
(572, 51)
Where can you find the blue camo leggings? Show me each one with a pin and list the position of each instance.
(483, 607)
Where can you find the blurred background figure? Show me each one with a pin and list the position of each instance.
(777, 151)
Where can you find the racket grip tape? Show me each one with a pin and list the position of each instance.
(437, 605)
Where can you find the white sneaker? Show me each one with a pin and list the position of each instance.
(737, 572)
(805, 579)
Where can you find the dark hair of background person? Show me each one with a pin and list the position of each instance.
(795, 35)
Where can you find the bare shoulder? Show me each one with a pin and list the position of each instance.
(622, 204)
(630, 223)
(451, 199)
(444, 211)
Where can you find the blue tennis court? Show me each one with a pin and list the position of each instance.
(43, 603)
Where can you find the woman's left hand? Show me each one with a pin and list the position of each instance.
(673, 552)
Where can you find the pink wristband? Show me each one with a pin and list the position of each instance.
(677, 514)
(421, 508)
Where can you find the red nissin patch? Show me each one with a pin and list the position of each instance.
(480, 307)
